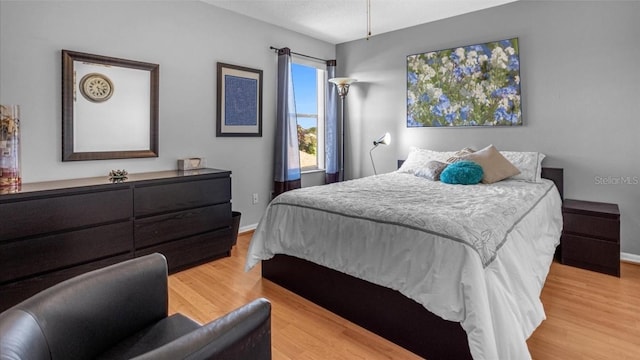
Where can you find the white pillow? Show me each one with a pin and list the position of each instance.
(432, 171)
(418, 159)
(528, 162)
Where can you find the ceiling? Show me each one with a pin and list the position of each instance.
(338, 21)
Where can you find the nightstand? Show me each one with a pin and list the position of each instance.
(591, 236)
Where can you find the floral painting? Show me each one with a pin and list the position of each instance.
(476, 85)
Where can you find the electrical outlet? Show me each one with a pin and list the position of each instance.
(255, 198)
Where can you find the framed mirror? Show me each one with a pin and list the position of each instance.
(109, 107)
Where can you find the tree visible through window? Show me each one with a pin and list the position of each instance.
(308, 87)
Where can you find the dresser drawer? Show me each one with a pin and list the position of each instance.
(49, 214)
(15, 292)
(158, 229)
(157, 199)
(193, 250)
(24, 258)
(597, 227)
(592, 254)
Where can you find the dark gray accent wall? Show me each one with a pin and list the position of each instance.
(580, 88)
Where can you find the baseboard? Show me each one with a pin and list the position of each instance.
(247, 228)
(632, 258)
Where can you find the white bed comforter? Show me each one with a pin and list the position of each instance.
(478, 255)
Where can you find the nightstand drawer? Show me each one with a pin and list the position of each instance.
(592, 254)
(597, 227)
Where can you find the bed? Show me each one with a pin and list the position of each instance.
(388, 253)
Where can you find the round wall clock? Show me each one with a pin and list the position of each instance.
(96, 87)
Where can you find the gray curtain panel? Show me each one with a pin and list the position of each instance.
(287, 157)
(331, 151)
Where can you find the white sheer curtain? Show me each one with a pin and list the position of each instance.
(332, 151)
(287, 156)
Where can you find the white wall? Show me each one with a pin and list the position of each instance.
(580, 89)
(186, 38)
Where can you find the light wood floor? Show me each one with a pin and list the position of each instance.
(589, 315)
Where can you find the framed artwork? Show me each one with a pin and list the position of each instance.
(239, 101)
(475, 85)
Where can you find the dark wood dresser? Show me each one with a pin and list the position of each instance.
(591, 236)
(52, 231)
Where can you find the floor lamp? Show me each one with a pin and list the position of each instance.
(342, 83)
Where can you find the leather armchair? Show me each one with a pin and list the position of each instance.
(120, 312)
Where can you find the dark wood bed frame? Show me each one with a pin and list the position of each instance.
(381, 310)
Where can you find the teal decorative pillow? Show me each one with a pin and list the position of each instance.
(463, 172)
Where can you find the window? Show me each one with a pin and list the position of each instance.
(309, 91)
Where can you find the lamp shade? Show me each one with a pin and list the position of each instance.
(384, 140)
(342, 83)
(342, 80)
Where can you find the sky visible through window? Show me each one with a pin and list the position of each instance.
(305, 90)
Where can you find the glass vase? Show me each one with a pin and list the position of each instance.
(9, 147)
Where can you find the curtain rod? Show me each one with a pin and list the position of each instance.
(295, 53)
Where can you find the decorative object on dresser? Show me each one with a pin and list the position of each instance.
(116, 116)
(52, 231)
(118, 175)
(591, 236)
(192, 163)
(10, 178)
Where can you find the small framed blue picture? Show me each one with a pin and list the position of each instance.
(239, 101)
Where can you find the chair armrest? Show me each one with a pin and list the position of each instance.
(21, 337)
(244, 333)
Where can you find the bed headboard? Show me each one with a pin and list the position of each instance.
(557, 176)
(554, 174)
